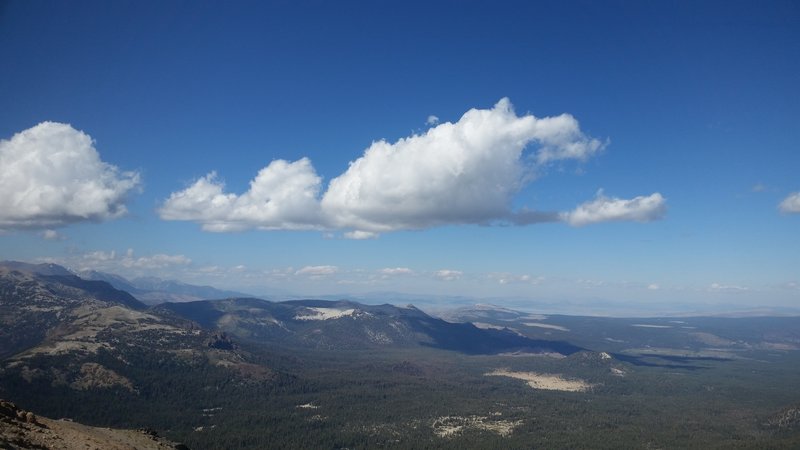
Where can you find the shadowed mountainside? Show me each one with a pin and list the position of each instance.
(346, 324)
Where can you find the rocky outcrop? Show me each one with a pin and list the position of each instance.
(221, 341)
(10, 413)
(95, 376)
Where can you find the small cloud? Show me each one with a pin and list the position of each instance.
(589, 283)
(508, 278)
(448, 275)
(360, 235)
(610, 209)
(317, 271)
(432, 120)
(758, 187)
(791, 204)
(157, 261)
(279, 274)
(52, 235)
(717, 287)
(653, 287)
(389, 271)
(100, 256)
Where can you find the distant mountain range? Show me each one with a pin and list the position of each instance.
(46, 312)
(148, 290)
(300, 373)
(152, 290)
(345, 324)
(62, 335)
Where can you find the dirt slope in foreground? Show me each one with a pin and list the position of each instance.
(23, 430)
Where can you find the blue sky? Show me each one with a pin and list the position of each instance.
(678, 188)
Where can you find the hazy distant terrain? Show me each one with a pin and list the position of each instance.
(249, 373)
(152, 290)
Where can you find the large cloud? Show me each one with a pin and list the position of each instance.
(791, 204)
(606, 209)
(465, 172)
(51, 175)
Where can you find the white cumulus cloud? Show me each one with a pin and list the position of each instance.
(463, 172)
(282, 196)
(466, 172)
(51, 175)
(609, 209)
(791, 204)
(432, 120)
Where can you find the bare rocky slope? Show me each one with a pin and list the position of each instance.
(20, 429)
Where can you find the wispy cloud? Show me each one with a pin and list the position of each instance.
(360, 235)
(317, 271)
(717, 287)
(51, 175)
(448, 274)
(157, 261)
(510, 278)
(126, 263)
(391, 271)
(52, 235)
